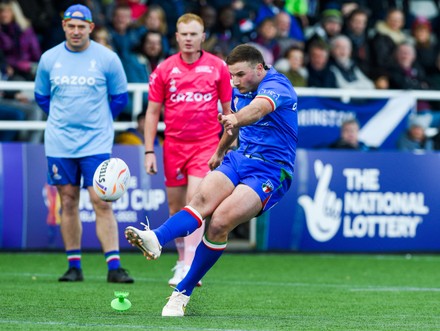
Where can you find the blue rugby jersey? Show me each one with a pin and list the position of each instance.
(274, 137)
(80, 121)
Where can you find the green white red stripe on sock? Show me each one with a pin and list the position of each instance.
(213, 245)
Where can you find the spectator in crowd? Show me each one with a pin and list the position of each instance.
(387, 35)
(18, 40)
(138, 7)
(97, 10)
(381, 80)
(426, 44)
(79, 133)
(8, 112)
(347, 73)
(356, 29)
(227, 31)
(102, 36)
(174, 9)
(406, 73)
(271, 8)
(296, 72)
(268, 8)
(41, 13)
(415, 138)
(142, 62)
(125, 36)
(349, 138)
(209, 16)
(299, 9)
(154, 19)
(283, 21)
(265, 41)
(380, 9)
(188, 86)
(318, 67)
(329, 27)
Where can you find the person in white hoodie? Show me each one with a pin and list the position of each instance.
(347, 73)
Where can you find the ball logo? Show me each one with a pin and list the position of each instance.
(111, 178)
(102, 171)
(323, 212)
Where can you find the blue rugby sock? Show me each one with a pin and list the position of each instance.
(74, 258)
(180, 224)
(113, 260)
(207, 254)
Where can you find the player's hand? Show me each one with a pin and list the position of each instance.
(150, 164)
(215, 161)
(229, 122)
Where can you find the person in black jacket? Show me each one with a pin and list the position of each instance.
(318, 68)
(349, 138)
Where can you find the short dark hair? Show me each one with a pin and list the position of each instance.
(141, 115)
(245, 53)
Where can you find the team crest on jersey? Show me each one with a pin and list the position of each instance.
(267, 186)
(179, 175)
(55, 174)
(92, 65)
(207, 69)
(152, 78)
(173, 87)
(175, 71)
(57, 65)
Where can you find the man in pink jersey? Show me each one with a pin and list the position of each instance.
(189, 85)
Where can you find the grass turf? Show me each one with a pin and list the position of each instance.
(241, 292)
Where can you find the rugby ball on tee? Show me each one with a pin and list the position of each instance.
(111, 178)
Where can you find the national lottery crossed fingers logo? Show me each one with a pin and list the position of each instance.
(323, 212)
(366, 209)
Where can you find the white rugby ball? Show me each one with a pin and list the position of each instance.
(111, 178)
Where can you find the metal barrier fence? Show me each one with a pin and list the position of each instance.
(137, 89)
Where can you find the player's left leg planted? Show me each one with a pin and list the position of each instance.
(207, 254)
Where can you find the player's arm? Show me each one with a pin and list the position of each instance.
(42, 87)
(258, 108)
(118, 103)
(43, 101)
(226, 141)
(151, 121)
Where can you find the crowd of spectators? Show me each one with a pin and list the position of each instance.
(328, 44)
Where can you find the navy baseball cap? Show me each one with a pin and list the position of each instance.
(78, 12)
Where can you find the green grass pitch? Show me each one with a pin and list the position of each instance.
(242, 292)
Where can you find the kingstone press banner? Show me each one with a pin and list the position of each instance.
(381, 121)
(361, 202)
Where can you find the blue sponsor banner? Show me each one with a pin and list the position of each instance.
(38, 226)
(340, 201)
(13, 202)
(381, 121)
(360, 202)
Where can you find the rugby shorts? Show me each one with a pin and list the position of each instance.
(63, 171)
